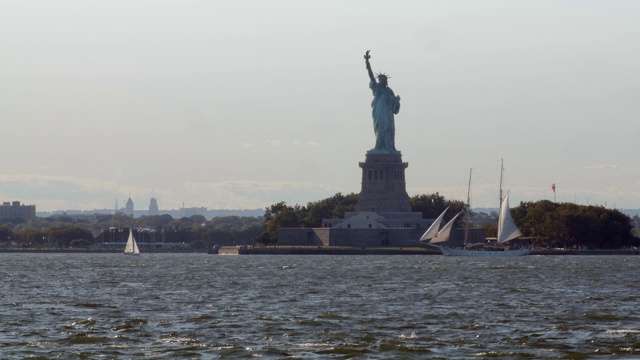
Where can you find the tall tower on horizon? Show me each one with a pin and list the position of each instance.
(153, 207)
(129, 207)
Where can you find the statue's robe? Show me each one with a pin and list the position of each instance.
(384, 105)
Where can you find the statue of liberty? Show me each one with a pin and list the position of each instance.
(384, 105)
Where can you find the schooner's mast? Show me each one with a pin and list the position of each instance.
(501, 171)
(468, 214)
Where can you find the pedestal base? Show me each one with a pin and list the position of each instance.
(383, 184)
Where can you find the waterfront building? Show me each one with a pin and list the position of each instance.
(15, 210)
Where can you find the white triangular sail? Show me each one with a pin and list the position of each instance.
(445, 232)
(507, 228)
(131, 247)
(433, 230)
(136, 251)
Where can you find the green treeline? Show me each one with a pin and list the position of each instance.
(281, 215)
(63, 232)
(568, 225)
(548, 224)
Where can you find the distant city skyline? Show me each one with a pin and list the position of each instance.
(209, 213)
(243, 104)
(175, 213)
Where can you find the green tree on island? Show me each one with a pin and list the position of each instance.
(431, 206)
(568, 225)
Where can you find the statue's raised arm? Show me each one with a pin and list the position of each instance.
(366, 59)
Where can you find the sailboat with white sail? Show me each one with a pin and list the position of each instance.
(131, 248)
(435, 234)
(507, 230)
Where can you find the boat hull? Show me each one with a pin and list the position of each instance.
(486, 253)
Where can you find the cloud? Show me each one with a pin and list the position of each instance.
(37, 180)
(610, 167)
(54, 192)
(246, 145)
(274, 143)
(57, 192)
(307, 144)
(51, 192)
(253, 194)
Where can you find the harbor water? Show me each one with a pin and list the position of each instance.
(198, 306)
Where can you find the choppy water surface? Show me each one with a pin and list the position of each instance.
(191, 306)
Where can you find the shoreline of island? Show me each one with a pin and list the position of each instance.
(246, 250)
(276, 250)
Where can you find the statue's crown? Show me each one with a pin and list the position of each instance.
(382, 76)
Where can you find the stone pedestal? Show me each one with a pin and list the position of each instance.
(383, 214)
(383, 184)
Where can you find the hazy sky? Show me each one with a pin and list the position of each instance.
(241, 104)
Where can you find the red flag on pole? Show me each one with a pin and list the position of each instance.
(553, 187)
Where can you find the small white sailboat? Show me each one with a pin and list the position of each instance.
(507, 228)
(435, 234)
(432, 231)
(131, 248)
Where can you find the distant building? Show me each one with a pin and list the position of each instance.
(129, 207)
(153, 207)
(14, 210)
(188, 212)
